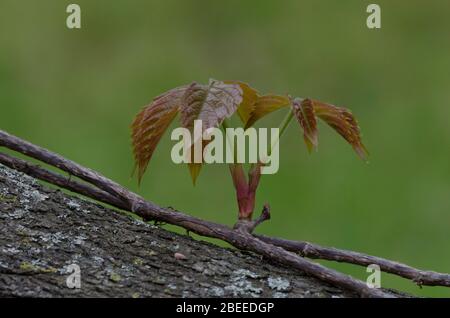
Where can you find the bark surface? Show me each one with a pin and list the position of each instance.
(43, 231)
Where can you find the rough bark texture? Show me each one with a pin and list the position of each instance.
(44, 230)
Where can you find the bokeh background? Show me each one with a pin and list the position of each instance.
(76, 92)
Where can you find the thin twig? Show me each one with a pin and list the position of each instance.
(37, 172)
(147, 210)
(306, 249)
(249, 226)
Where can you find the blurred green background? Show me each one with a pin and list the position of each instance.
(76, 92)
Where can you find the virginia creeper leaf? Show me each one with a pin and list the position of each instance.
(304, 112)
(343, 121)
(249, 98)
(210, 103)
(151, 123)
(265, 105)
(194, 168)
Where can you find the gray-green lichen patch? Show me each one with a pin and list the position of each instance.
(25, 191)
(73, 205)
(279, 295)
(8, 249)
(187, 279)
(32, 197)
(4, 197)
(241, 284)
(116, 278)
(278, 283)
(142, 223)
(216, 291)
(37, 266)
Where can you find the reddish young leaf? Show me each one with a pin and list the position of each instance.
(210, 103)
(304, 112)
(343, 121)
(194, 168)
(151, 123)
(265, 105)
(249, 98)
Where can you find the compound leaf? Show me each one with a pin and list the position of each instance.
(211, 104)
(249, 99)
(343, 121)
(265, 105)
(151, 123)
(304, 112)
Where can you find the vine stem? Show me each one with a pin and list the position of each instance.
(282, 129)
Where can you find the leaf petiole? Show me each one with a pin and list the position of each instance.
(282, 128)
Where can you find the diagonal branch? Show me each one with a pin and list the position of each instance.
(147, 210)
(305, 249)
(311, 250)
(37, 172)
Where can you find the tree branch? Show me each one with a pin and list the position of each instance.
(114, 194)
(306, 249)
(37, 172)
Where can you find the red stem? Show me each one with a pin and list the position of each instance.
(245, 190)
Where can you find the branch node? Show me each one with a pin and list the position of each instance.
(249, 226)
